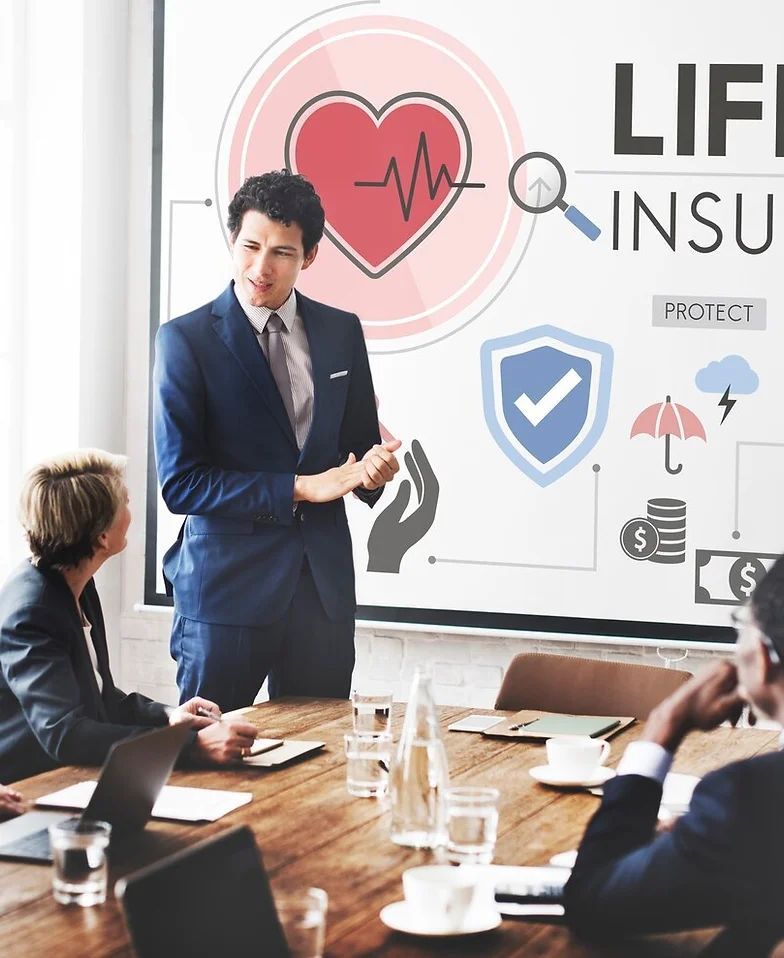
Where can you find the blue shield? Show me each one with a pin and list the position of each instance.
(546, 395)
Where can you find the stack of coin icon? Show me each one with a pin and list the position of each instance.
(669, 518)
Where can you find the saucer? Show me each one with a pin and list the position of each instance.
(548, 775)
(399, 917)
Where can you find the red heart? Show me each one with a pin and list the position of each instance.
(417, 142)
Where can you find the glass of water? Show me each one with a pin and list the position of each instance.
(472, 824)
(303, 917)
(367, 764)
(372, 712)
(79, 854)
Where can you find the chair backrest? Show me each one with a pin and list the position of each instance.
(566, 683)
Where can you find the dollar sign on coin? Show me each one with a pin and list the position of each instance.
(639, 539)
(744, 575)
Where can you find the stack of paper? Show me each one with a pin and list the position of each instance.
(181, 804)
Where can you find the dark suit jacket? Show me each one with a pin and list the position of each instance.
(227, 457)
(722, 864)
(51, 712)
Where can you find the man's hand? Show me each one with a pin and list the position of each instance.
(11, 802)
(225, 742)
(380, 464)
(332, 484)
(196, 712)
(704, 702)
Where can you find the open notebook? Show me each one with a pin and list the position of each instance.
(534, 724)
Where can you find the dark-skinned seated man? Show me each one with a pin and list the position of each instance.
(722, 863)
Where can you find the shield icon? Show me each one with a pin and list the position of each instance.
(546, 395)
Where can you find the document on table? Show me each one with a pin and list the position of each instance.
(175, 801)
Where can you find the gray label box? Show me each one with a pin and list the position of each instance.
(709, 312)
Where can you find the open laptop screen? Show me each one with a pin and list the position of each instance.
(210, 899)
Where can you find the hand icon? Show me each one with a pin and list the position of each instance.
(392, 536)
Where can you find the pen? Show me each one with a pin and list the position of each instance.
(514, 728)
(206, 713)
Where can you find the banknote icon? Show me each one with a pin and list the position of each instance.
(728, 578)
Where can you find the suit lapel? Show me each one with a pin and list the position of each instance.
(234, 330)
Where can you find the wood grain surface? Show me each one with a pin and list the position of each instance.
(312, 832)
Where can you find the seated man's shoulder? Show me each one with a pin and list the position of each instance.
(736, 801)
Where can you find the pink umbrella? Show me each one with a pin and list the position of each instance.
(668, 419)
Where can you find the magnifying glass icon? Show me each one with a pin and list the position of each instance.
(546, 186)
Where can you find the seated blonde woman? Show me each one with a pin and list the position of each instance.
(58, 701)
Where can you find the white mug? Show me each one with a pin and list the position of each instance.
(576, 755)
(439, 895)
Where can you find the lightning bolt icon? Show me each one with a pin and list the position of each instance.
(727, 403)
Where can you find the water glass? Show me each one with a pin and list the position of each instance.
(303, 917)
(79, 854)
(472, 824)
(367, 764)
(372, 712)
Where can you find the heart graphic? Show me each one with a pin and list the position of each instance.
(386, 177)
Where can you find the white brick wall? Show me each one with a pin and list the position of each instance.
(467, 668)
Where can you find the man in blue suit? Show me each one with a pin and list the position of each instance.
(264, 418)
(721, 864)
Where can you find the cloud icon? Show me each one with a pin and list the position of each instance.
(732, 372)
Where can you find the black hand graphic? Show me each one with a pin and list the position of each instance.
(392, 536)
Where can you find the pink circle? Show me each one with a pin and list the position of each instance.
(416, 256)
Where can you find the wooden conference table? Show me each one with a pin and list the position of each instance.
(312, 832)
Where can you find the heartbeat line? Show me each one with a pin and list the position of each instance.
(422, 156)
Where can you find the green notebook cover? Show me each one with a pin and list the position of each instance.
(591, 725)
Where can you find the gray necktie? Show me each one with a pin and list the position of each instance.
(276, 356)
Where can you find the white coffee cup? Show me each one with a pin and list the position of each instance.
(576, 756)
(439, 895)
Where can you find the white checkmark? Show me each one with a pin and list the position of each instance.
(535, 412)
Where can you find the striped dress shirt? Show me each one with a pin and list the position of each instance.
(297, 350)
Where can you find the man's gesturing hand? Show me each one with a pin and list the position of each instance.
(224, 742)
(380, 464)
(704, 702)
(332, 484)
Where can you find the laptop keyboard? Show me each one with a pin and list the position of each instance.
(35, 845)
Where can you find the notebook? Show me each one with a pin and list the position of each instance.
(531, 724)
(282, 754)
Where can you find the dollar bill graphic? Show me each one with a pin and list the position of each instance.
(728, 578)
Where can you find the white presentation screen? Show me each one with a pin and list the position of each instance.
(561, 230)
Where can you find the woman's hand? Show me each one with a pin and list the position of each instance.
(196, 712)
(225, 743)
(11, 801)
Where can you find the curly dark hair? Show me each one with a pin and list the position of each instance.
(767, 605)
(283, 196)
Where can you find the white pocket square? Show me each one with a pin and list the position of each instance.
(337, 375)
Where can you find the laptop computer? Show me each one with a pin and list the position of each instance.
(135, 771)
(210, 899)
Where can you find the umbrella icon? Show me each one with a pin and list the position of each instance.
(667, 419)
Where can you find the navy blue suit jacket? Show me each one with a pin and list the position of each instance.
(227, 457)
(51, 711)
(721, 865)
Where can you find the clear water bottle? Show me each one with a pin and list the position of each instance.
(419, 772)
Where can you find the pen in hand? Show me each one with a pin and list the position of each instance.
(207, 713)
